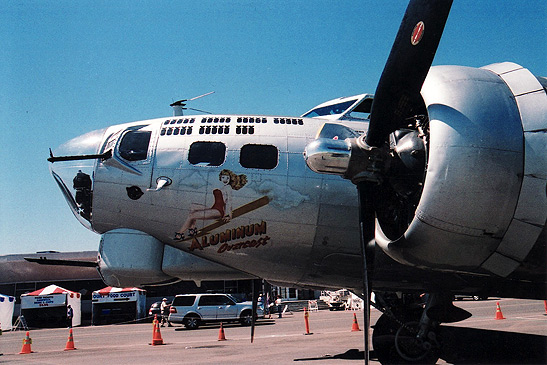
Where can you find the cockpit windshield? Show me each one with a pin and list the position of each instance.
(134, 145)
(329, 109)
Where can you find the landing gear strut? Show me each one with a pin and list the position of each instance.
(408, 331)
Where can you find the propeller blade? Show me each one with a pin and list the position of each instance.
(367, 225)
(397, 95)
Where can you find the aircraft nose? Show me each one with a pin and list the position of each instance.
(72, 166)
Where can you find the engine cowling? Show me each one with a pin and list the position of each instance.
(483, 203)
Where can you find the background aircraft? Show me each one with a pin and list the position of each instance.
(430, 171)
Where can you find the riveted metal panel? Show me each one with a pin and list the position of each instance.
(500, 265)
(502, 67)
(533, 110)
(532, 205)
(529, 94)
(518, 240)
(536, 154)
(521, 82)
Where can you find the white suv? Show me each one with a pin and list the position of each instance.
(194, 309)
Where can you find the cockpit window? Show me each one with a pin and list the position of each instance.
(134, 145)
(208, 153)
(361, 111)
(330, 109)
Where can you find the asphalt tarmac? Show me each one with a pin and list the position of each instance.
(520, 338)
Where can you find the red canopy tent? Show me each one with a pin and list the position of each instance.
(114, 305)
(47, 307)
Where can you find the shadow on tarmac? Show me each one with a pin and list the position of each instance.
(476, 346)
(473, 346)
(351, 354)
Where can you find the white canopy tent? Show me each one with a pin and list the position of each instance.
(7, 304)
(47, 307)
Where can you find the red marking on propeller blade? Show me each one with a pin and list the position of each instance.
(417, 33)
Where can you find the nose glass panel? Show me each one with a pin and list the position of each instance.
(75, 178)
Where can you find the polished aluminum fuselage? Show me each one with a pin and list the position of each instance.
(310, 225)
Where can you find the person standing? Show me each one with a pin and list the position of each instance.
(164, 310)
(69, 315)
(279, 306)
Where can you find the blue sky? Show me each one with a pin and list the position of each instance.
(69, 67)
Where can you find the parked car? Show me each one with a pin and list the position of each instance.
(155, 309)
(194, 309)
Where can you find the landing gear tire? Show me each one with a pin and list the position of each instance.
(396, 344)
(413, 349)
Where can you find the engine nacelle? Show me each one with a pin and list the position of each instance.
(129, 257)
(484, 201)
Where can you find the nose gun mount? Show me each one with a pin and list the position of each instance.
(102, 156)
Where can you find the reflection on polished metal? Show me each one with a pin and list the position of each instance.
(328, 156)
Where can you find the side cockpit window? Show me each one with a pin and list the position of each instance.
(134, 145)
(207, 153)
(259, 156)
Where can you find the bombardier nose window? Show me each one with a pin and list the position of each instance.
(134, 145)
(83, 196)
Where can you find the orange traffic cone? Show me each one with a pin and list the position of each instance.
(70, 342)
(221, 336)
(155, 322)
(545, 304)
(26, 344)
(156, 338)
(499, 315)
(355, 326)
(307, 322)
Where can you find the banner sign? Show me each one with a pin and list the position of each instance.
(130, 296)
(40, 301)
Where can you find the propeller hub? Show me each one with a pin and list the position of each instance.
(367, 163)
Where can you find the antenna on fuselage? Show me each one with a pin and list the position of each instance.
(179, 105)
